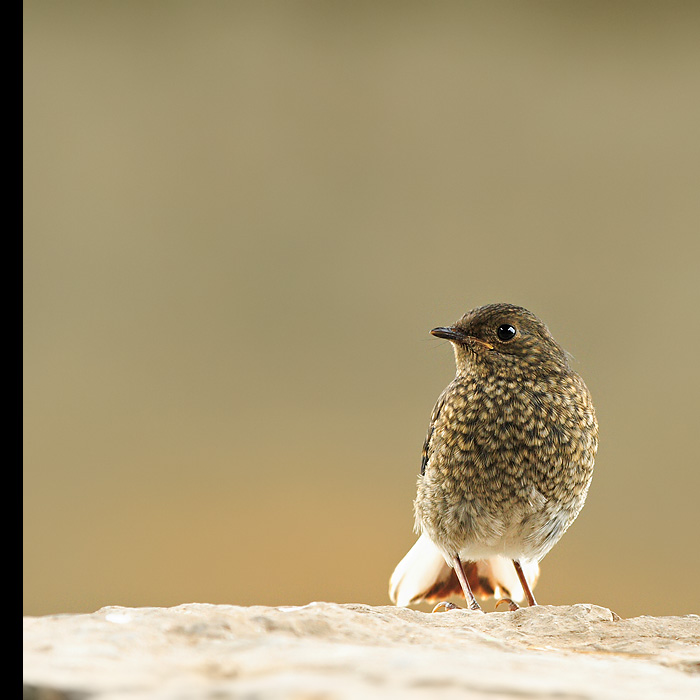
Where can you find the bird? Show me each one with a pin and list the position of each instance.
(506, 464)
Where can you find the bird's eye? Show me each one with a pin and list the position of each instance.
(506, 332)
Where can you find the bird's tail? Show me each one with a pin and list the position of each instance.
(423, 574)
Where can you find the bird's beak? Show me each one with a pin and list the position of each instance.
(448, 334)
(457, 336)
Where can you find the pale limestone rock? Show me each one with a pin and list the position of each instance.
(326, 650)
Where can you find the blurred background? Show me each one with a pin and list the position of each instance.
(241, 220)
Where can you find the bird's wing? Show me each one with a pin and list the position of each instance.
(425, 455)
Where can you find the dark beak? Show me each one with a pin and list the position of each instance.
(457, 336)
(447, 334)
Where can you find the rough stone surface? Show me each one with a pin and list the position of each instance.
(326, 650)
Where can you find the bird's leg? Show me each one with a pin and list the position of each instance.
(462, 577)
(523, 582)
(464, 583)
(512, 605)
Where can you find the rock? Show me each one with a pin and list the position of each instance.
(327, 650)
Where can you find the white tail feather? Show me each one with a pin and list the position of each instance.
(417, 572)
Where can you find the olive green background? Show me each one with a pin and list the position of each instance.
(243, 218)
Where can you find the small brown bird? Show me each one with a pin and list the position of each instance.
(507, 462)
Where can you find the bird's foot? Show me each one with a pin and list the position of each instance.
(512, 605)
(444, 606)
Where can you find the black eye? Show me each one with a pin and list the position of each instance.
(506, 332)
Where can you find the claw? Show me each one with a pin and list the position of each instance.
(512, 605)
(444, 606)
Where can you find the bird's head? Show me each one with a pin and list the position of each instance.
(502, 335)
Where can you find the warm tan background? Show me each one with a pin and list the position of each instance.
(243, 218)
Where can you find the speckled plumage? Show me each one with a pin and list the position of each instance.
(509, 454)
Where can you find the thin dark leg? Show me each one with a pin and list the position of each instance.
(523, 582)
(459, 570)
